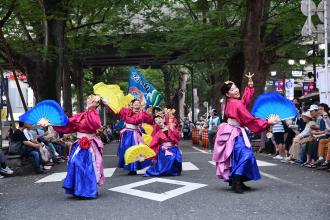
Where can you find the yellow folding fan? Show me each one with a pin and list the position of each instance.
(113, 96)
(138, 152)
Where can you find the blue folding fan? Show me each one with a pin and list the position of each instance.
(47, 112)
(273, 104)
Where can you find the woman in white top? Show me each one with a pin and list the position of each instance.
(301, 138)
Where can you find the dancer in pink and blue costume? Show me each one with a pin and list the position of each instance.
(85, 165)
(168, 161)
(235, 162)
(131, 134)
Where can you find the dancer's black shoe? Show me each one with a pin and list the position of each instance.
(131, 173)
(237, 185)
(245, 187)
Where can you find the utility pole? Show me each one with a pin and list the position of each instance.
(314, 65)
(309, 9)
(192, 96)
(325, 24)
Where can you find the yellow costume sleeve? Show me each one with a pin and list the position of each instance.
(147, 136)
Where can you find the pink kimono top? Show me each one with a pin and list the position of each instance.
(131, 117)
(236, 110)
(161, 137)
(167, 122)
(84, 122)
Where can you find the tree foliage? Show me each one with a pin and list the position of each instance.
(216, 40)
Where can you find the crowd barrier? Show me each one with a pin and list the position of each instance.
(200, 137)
(195, 136)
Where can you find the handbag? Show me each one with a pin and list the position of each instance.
(15, 148)
(44, 153)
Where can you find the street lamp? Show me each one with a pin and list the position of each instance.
(302, 62)
(273, 73)
(291, 62)
(321, 46)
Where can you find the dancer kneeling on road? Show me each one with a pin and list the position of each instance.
(168, 161)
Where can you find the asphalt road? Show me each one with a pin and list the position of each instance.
(286, 191)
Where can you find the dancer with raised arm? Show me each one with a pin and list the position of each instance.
(85, 165)
(133, 116)
(235, 162)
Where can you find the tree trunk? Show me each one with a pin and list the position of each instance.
(67, 93)
(215, 82)
(79, 87)
(257, 59)
(183, 78)
(236, 68)
(167, 81)
(49, 76)
(252, 42)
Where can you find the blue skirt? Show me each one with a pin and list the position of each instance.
(127, 141)
(243, 161)
(81, 179)
(166, 165)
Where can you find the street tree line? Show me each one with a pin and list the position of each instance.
(217, 40)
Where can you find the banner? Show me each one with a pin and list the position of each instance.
(142, 89)
(322, 85)
(279, 85)
(308, 87)
(289, 88)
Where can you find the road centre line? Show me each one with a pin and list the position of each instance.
(202, 151)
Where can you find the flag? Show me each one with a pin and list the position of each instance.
(141, 89)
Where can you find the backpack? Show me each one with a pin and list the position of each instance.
(15, 147)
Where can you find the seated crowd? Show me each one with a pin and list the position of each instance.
(307, 139)
(43, 144)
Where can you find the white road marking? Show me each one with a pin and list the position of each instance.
(108, 172)
(200, 150)
(259, 162)
(186, 166)
(212, 162)
(58, 177)
(275, 178)
(160, 197)
(265, 164)
(55, 177)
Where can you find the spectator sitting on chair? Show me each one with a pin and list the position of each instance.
(48, 136)
(322, 146)
(301, 138)
(326, 164)
(319, 129)
(4, 169)
(28, 147)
